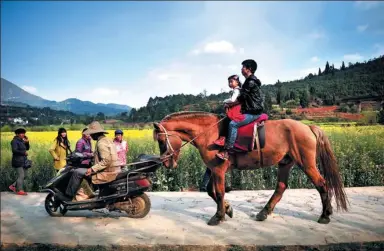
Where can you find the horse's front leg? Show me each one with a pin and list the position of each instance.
(211, 193)
(218, 183)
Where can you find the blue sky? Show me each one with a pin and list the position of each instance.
(126, 52)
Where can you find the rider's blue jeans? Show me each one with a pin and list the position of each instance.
(233, 126)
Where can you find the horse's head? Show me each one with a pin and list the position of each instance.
(169, 144)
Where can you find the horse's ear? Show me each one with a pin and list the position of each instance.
(156, 125)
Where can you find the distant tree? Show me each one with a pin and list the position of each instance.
(304, 99)
(327, 69)
(312, 90)
(100, 116)
(268, 103)
(319, 72)
(205, 93)
(342, 66)
(292, 95)
(281, 95)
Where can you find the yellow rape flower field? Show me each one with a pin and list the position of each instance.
(359, 151)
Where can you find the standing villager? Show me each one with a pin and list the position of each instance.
(20, 146)
(60, 149)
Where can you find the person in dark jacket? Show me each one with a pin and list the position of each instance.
(251, 104)
(20, 146)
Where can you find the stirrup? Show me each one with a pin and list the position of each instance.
(220, 141)
(223, 155)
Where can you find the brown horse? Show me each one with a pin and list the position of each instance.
(288, 142)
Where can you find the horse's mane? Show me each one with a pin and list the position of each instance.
(189, 114)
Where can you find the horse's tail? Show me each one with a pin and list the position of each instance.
(330, 169)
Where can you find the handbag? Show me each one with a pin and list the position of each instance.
(27, 163)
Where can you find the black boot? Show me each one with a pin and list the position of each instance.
(204, 183)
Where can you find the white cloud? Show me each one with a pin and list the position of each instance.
(361, 28)
(229, 43)
(353, 57)
(366, 5)
(315, 59)
(217, 47)
(195, 52)
(168, 76)
(29, 89)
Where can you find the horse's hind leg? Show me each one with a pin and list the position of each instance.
(282, 183)
(320, 184)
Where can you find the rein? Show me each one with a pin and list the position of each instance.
(186, 143)
(163, 159)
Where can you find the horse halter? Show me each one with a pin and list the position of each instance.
(168, 143)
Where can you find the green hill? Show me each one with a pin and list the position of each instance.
(326, 88)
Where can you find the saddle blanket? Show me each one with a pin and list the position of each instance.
(245, 140)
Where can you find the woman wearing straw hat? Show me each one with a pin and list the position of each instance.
(106, 166)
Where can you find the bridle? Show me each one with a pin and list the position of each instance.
(168, 143)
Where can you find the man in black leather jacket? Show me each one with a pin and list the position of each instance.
(251, 104)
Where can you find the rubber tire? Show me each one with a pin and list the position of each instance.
(58, 213)
(146, 210)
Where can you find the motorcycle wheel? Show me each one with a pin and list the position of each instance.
(141, 205)
(52, 208)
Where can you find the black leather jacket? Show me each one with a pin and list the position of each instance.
(19, 147)
(250, 96)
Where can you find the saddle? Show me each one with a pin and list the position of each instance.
(250, 137)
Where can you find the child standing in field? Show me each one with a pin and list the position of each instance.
(60, 149)
(121, 148)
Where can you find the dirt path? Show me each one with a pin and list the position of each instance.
(179, 218)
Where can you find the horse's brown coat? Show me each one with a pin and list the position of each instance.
(288, 142)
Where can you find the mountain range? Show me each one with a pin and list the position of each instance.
(12, 94)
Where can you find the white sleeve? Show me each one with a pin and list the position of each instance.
(235, 94)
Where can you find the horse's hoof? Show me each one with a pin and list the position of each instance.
(214, 221)
(262, 216)
(324, 220)
(229, 212)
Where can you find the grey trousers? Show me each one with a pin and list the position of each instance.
(21, 175)
(75, 181)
